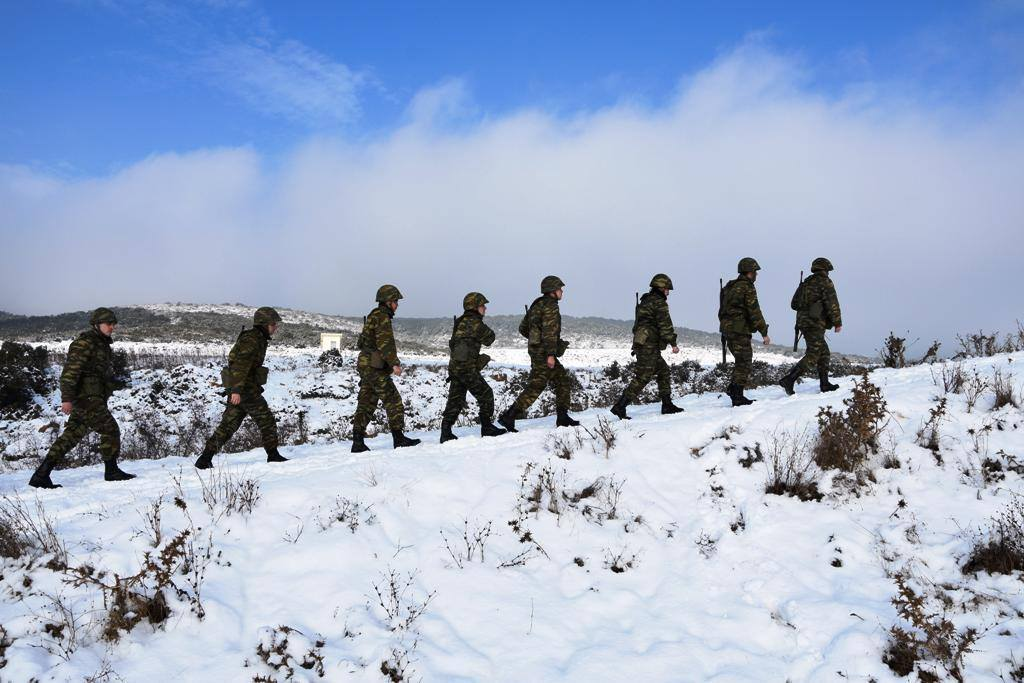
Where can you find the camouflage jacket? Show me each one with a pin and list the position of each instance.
(245, 373)
(377, 348)
(88, 371)
(816, 303)
(739, 312)
(545, 328)
(468, 335)
(652, 326)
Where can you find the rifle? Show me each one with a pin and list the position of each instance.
(638, 298)
(796, 325)
(721, 294)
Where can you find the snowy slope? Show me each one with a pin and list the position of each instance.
(727, 583)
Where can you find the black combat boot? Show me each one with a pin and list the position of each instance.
(488, 428)
(508, 420)
(41, 477)
(358, 445)
(669, 408)
(205, 460)
(401, 440)
(823, 381)
(790, 379)
(619, 409)
(736, 394)
(446, 433)
(274, 456)
(111, 472)
(562, 419)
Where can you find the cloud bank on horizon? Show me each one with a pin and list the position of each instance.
(918, 206)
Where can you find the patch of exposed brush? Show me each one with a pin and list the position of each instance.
(848, 437)
(284, 653)
(791, 469)
(999, 549)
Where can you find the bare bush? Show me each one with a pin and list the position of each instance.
(285, 652)
(928, 435)
(399, 607)
(225, 492)
(846, 439)
(931, 635)
(999, 549)
(63, 626)
(1005, 395)
(791, 470)
(564, 445)
(603, 436)
(973, 387)
(472, 546)
(620, 561)
(350, 512)
(952, 377)
(977, 344)
(5, 642)
(25, 529)
(893, 353)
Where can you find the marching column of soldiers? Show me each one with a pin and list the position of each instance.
(86, 382)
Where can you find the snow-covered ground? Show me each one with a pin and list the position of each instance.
(698, 575)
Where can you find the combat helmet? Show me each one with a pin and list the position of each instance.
(473, 300)
(388, 293)
(821, 263)
(550, 284)
(661, 281)
(747, 265)
(102, 315)
(265, 315)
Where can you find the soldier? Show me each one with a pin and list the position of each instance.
(378, 360)
(652, 332)
(739, 316)
(465, 365)
(542, 326)
(817, 309)
(243, 382)
(86, 384)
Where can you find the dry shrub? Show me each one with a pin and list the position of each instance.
(931, 635)
(928, 435)
(791, 470)
(29, 530)
(952, 377)
(5, 642)
(473, 544)
(1005, 395)
(846, 439)
(225, 492)
(562, 445)
(285, 652)
(973, 387)
(399, 607)
(977, 344)
(893, 353)
(350, 512)
(603, 436)
(620, 561)
(1000, 548)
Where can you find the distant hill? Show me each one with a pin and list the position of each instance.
(171, 322)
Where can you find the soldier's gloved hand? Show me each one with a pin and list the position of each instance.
(65, 407)
(551, 361)
(839, 329)
(397, 369)
(766, 340)
(236, 399)
(675, 349)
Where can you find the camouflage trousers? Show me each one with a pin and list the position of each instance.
(818, 354)
(541, 377)
(649, 364)
(88, 415)
(253, 405)
(473, 382)
(743, 356)
(376, 386)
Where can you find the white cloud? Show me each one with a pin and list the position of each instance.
(288, 79)
(920, 211)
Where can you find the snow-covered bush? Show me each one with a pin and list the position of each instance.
(791, 469)
(893, 353)
(999, 549)
(283, 653)
(847, 438)
(26, 530)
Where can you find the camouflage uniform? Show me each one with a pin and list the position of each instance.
(469, 333)
(245, 376)
(86, 383)
(817, 311)
(739, 317)
(545, 340)
(378, 354)
(652, 332)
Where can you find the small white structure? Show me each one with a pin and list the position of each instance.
(330, 340)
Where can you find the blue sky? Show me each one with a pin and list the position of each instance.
(90, 86)
(251, 152)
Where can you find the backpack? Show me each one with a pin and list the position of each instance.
(723, 297)
(799, 303)
(525, 323)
